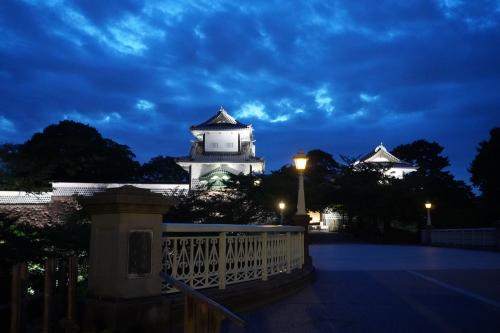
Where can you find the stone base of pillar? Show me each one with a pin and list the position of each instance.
(425, 236)
(148, 314)
(303, 221)
(497, 225)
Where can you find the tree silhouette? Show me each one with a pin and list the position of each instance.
(163, 169)
(485, 175)
(425, 154)
(67, 151)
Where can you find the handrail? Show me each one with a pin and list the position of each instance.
(465, 229)
(191, 227)
(188, 291)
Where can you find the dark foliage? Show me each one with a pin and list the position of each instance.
(254, 199)
(163, 169)
(23, 241)
(485, 174)
(426, 155)
(235, 204)
(321, 171)
(453, 200)
(67, 151)
(19, 242)
(381, 208)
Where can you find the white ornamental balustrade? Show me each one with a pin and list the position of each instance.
(216, 255)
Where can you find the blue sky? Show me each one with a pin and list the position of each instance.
(341, 76)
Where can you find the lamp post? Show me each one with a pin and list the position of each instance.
(281, 206)
(428, 206)
(301, 218)
(300, 161)
(426, 233)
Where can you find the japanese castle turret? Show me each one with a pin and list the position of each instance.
(393, 166)
(222, 146)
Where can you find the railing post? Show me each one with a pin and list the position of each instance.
(245, 263)
(18, 293)
(302, 259)
(47, 293)
(72, 278)
(189, 314)
(15, 299)
(288, 252)
(264, 256)
(222, 260)
(191, 260)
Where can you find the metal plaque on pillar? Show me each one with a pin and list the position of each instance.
(139, 253)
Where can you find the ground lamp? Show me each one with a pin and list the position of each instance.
(281, 206)
(428, 206)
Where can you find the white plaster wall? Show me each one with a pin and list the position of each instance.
(331, 221)
(398, 173)
(226, 141)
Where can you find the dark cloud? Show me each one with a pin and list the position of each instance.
(337, 75)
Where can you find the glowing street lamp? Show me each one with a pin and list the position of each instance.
(301, 218)
(300, 161)
(428, 206)
(281, 206)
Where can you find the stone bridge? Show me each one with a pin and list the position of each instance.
(390, 288)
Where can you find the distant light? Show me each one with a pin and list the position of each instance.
(428, 205)
(300, 161)
(281, 205)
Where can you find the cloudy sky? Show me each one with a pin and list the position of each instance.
(341, 76)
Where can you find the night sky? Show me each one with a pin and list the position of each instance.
(341, 76)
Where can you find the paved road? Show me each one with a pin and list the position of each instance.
(387, 288)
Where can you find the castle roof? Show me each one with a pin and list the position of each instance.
(221, 121)
(221, 170)
(221, 158)
(381, 155)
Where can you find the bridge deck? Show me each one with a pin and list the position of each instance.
(388, 288)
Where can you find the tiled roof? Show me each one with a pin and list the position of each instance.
(220, 158)
(221, 121)
(88, 189)
(62, 189)
(218, 170)
(381, 156)
(21, 197)
(380, 152)
(396, 165)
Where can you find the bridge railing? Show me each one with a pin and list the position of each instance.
(467, 237)
(201, 314)
(216, 255)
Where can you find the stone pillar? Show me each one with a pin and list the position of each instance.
(125, 260)
(303, 221)
(425, 235)
(497, 226)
